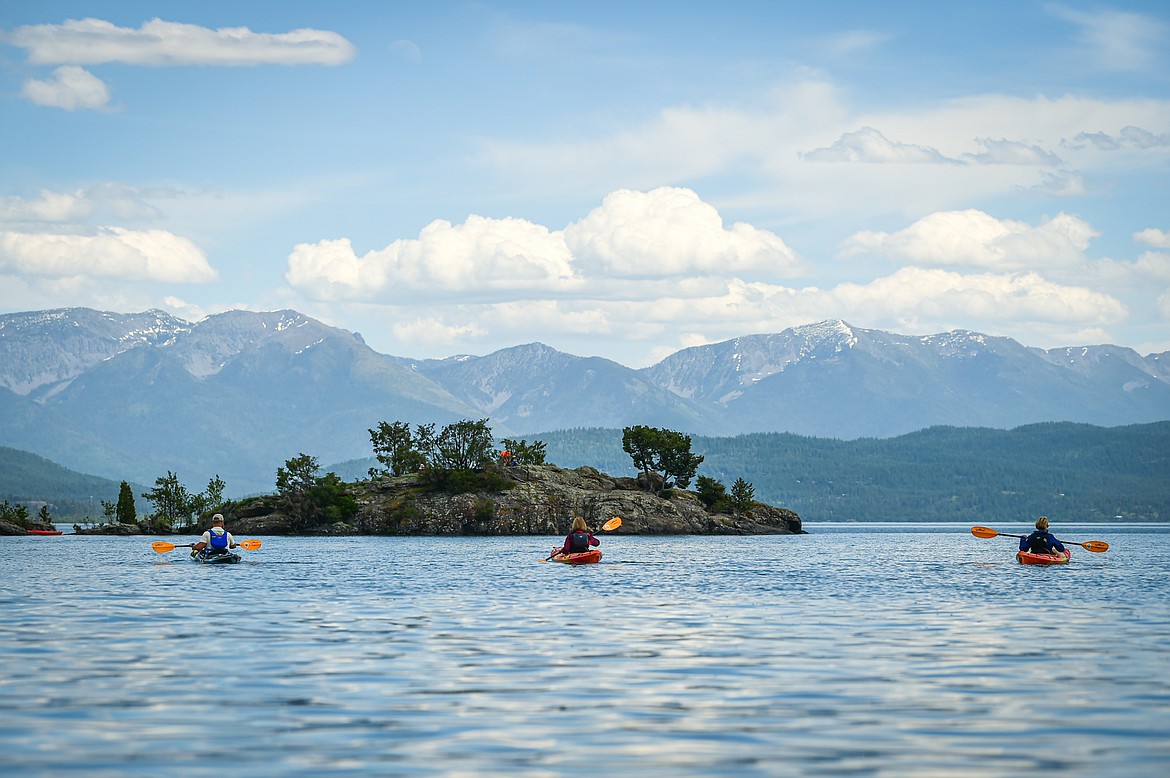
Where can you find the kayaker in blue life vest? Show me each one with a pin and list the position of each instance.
(1041, 541)
(579, 539)
(216, 540)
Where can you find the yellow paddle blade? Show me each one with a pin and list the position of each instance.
(984, 532)
(613, 523)
(251, 545)
(1096, 546)
(162, 546)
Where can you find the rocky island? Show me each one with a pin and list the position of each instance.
(526, 500)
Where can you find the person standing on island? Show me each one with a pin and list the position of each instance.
(216, 540)
(1041, 541)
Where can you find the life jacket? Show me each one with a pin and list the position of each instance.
(219, 540)
(578, 542)
(1038, 543)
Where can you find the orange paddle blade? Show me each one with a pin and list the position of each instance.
(161, 546)
(1096, 546)
(984, 532)
(613, 523)
(251, 545)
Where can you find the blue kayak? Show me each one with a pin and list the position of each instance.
(204, 558)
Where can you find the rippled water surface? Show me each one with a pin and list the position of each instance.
(885, 650)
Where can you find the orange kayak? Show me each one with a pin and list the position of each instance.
(1028, 558)
(590, 557)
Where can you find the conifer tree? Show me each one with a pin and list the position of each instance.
(125, 512)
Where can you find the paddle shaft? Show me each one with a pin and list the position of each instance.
(162, 546)
(1096, 546)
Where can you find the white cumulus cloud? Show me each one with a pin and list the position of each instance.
(935, 295)
(70, 87)
(479, 256)
(668, 234)
(670, 231)
(972, 237)
(114, 252)
(1159, 239)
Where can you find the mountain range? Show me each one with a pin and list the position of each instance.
(134, 396)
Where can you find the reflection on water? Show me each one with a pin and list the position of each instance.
(904, 651)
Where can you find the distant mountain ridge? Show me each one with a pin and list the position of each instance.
(833, 380)
(131, 396)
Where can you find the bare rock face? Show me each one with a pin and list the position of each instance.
(541, 500)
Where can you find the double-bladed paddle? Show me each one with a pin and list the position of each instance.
(161, 546)
(1096, 546)
(613, 523)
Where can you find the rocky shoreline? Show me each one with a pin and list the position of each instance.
(542, 500)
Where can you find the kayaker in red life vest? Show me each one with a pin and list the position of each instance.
(1041, 541)
(580, 538)
(217, 540)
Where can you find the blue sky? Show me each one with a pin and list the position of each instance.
(612, 179)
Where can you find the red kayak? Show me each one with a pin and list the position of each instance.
(44, 532)
(1028, 558)
(590, 557)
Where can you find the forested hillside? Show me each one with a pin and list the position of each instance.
(27, 477)
(1071, 472)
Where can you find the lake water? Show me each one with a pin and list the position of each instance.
(887, 650)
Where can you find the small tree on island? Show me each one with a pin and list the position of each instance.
(294, 486)
(394, 447)
(743, 496)
(713, 494)
(17, 514)
(310, 499)
(455, 459)
(174, 505)
(464, 445)
(661, 454)
(124, 511)
(524, 453)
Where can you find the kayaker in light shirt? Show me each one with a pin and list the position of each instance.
(580, 538)
(1041, 541)
(216, 540)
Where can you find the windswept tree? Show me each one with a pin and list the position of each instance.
(664, 456)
